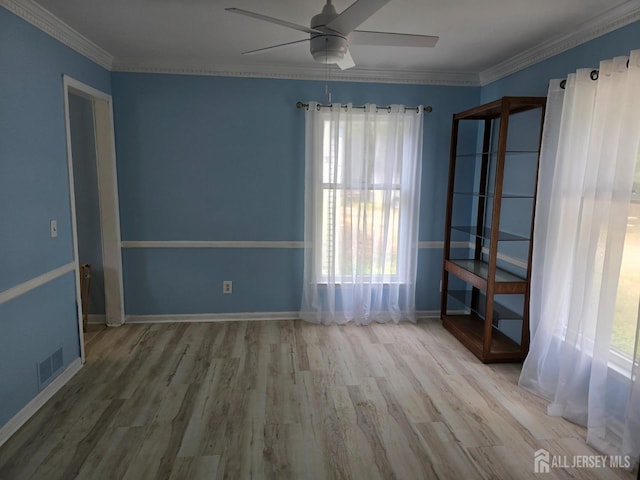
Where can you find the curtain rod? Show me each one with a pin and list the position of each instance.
(427, 109)
(594, 76)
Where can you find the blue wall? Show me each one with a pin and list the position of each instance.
(535, 79)
(34, 326)
(85, 183)
(34, 189)
(213, 158)
(199, 158)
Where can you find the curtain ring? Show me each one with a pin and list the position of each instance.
(594, 74)
(318, 107)
(389, 109)
(563, 84)
(418, 110)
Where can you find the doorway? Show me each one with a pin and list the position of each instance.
(94, 202)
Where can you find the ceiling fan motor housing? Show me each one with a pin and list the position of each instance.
(328, 48)
(331, 46)
(330, 33)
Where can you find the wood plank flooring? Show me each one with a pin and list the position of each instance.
(287, 399)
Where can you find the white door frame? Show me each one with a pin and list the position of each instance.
(108, 201)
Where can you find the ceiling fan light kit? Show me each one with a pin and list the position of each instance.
(329, 32)
(328, 48)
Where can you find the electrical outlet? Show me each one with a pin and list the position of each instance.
(227, 287)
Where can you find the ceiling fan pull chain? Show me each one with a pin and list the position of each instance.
(327, 93)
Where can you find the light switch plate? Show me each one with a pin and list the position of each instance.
(54, 228)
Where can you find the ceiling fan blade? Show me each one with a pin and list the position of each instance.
(346, 62)
(260, 50)
(384, 39)
(355, 14)
(277, 21)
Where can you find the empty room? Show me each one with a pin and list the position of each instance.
(319, 239)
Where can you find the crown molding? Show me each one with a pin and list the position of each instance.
(44, 20)
(609, 21)
(307, 73)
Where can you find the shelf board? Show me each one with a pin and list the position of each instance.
(500, 312)
(489, 182)
(469, 330)
(475, 272)
(486, 233)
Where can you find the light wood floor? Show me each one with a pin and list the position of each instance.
(289, 400)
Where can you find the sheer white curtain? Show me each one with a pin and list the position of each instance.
(362, 194)
(591, 145)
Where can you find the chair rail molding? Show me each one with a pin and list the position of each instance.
(36, 282)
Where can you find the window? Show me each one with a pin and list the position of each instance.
(362, 195)
(361, 204)
(582, 353)
(363, 200)
(628, 295)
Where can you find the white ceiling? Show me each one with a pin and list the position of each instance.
(200, 35)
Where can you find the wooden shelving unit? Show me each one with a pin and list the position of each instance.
(489, 256)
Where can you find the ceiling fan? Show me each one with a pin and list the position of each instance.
(330, 33)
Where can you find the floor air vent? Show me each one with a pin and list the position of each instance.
(49, 368)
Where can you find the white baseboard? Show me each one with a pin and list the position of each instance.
(212, 317)
(38, 401)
